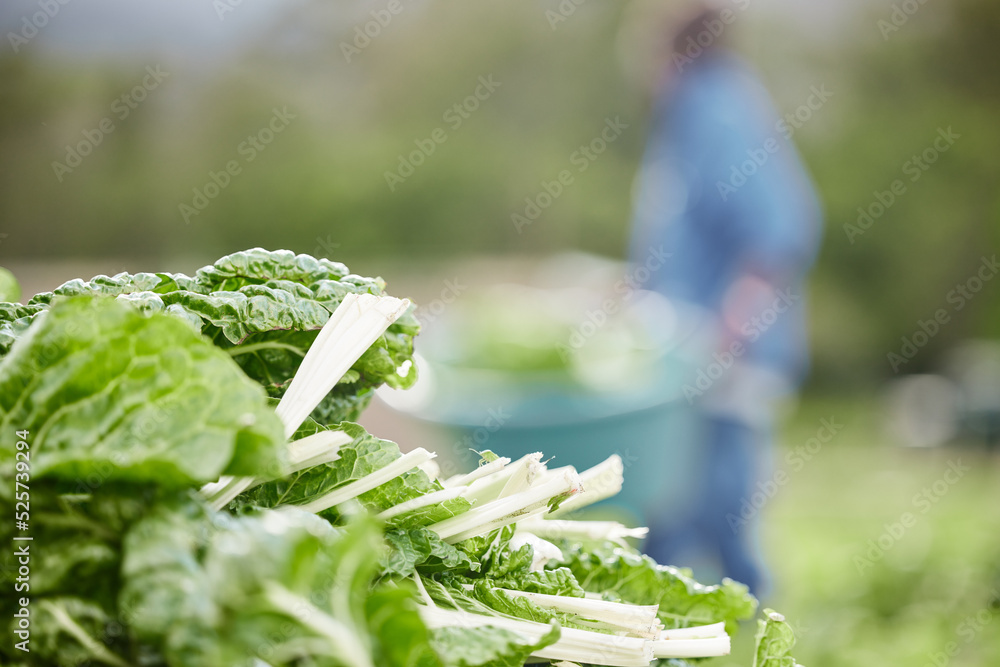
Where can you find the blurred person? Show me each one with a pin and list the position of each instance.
(723, 191)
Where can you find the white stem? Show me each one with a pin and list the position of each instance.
(316, 449)
(537, 509)
(640, 619)
(432, 498)
(602, 481)
(490, 486)
(481, 471)
(423, 590)
(352, 328)
(695, 632)
(232, 487)
(523, 474)
(691, 648)
(343, 638)
(573, 645)
(581, 530)
(503, 508)
(368, 482)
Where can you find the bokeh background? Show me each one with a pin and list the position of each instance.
(185, 85)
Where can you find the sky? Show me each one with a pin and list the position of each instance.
(206, 32)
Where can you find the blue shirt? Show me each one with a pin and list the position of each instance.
(723, 189)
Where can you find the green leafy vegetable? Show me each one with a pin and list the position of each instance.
(363, 456)
(774, 641)
(265, 308)
(145, 416)
(485, 646)
(625, 574)
(421, 549)
(112, 395)
(284, 587)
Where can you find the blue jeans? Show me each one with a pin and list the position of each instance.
(714, 528)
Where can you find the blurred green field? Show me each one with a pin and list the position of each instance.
(937, 586)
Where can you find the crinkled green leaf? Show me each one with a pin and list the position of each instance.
(265, 308)
(626, 575)
(484, 597)
(421, 549)
(559, 581)
(111, 395)
(486, 646)
(364, 455)
(490, 549)
(199, 587)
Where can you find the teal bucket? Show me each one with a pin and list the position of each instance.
(649, 425)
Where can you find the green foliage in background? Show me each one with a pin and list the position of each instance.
(928, 588)
(320, 185)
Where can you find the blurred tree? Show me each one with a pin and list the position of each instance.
(320, 185)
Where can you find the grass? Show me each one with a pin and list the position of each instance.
(879, 555)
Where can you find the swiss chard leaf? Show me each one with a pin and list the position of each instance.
(286, 587)
(559, 581)
(626, 575)
(364, 455)
(774, 641)
(429, 514)
(486, 646)
(69, 631)
(401, 638)
(360, 458)
(265, 308)
(414, 549)
(109, 394)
